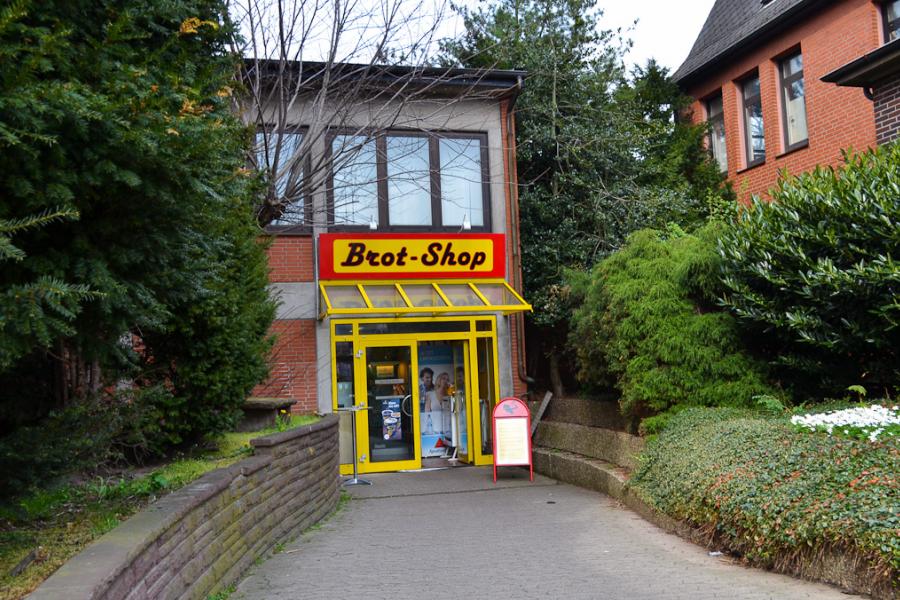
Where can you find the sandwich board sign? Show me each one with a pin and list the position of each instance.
(512, 436)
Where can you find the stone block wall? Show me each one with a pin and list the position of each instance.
(201, 538)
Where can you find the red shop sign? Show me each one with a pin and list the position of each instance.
(512, 436)
(365, 256)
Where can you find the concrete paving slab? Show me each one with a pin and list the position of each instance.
(453, 533)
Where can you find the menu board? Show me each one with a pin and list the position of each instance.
(512, 435)
(512, 442)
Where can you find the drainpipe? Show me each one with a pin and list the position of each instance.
(514, 230)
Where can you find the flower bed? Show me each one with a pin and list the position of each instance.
(862, 422)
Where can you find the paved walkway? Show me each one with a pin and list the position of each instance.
(454, 534)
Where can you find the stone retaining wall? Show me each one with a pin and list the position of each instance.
(199, 539)
(616, 447)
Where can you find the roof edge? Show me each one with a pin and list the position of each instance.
(764, 33)
(506, 79)
(868, 69)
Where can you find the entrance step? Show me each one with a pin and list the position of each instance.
(614, 447)
(591, 413)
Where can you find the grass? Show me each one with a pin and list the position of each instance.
(56, 523)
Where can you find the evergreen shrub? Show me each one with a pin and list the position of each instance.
(778, 496)
(647, 324)
(815, 271)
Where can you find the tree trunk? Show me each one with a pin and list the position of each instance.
(555, 378)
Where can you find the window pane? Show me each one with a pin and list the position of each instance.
(794, 99)
(717, 132)
(413, 327)
(486, 395)
(409, 181)
(355, 180)
(714, 107)
(345, 296)
(892, 19)
(753, 121)
(343, 354)
(751, 87)
(792, 66)
(461, 182)
(423, 295)
(461, 295)
(288, 179)
(384, 296)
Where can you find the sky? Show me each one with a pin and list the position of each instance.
(666, 29)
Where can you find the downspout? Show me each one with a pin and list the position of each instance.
(515, 233)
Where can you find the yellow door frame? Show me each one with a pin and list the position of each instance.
(362, 417)
(361, 342)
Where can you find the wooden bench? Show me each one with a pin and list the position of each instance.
(262, 413)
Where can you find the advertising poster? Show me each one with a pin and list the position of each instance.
(391, 426)
(440, 364)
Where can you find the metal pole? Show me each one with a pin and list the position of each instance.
(355, 480)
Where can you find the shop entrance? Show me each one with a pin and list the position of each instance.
(427, 388)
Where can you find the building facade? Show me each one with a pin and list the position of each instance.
(399, 283)
(755, 72)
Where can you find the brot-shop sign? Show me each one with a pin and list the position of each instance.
(411, 256)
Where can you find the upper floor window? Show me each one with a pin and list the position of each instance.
(716, 119)
(754, 134)
(407, 180)
(276, 152)
(890, 12)
(793, 101)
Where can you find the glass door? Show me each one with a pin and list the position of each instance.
(387, 432)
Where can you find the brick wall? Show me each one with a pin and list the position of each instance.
(837, 117)
(293, 365)
(198, 540)
(291, 259)
(887, 111)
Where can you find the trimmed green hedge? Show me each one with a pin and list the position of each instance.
(776, 495)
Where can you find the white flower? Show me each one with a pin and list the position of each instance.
(872, 419)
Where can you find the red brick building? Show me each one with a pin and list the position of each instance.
(756, 73)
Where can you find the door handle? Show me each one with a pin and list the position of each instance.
(404, 405)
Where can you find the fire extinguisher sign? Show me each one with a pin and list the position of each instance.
(512, 439)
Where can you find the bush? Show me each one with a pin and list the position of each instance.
(647, 324)
(816, 271)
(81, 436)
(776, 495)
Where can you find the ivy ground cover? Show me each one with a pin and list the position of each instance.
(777, 494)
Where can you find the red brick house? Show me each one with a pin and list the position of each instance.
(756, 72)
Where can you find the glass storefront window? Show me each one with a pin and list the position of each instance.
(486, 397)
(401, 327)
(343, 365)
(391, 432)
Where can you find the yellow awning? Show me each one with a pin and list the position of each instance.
(418, 297)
